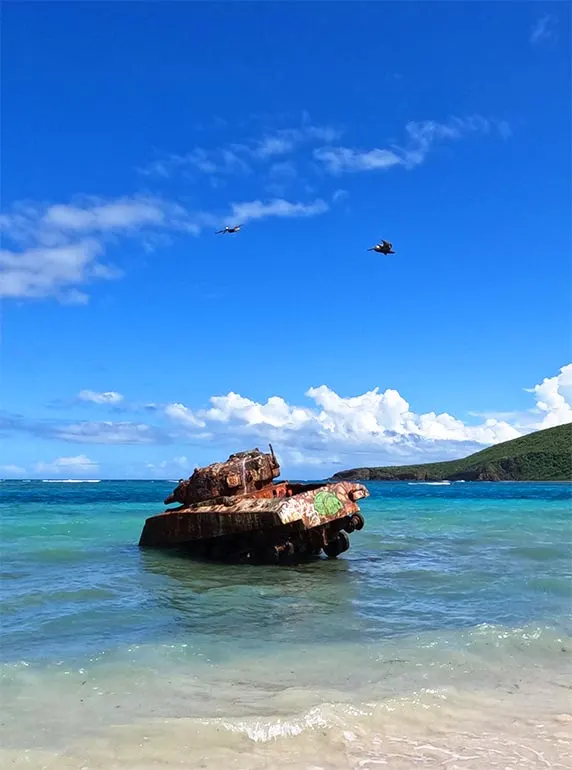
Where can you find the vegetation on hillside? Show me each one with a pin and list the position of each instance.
(542, 456)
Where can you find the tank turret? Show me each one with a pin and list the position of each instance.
(243, 473)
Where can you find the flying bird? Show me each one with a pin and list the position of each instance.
(383, 247)
(227, 229)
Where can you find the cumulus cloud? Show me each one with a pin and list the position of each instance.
(554, 398)
(420, 137)
(108, 397)
(371, 417)
(79, 464)
(182, 414)
(378, 424)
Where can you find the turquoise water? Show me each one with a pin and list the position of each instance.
(461, 586)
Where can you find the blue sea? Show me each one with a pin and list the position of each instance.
(442, 638)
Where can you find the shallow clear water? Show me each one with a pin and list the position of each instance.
(449, 593)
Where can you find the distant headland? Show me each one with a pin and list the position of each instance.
(545, 455)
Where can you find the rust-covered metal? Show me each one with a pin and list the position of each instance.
(243, 473)
(236, 510)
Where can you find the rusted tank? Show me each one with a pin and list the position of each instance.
(237, 511)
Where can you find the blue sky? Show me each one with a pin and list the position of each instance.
(137, 343)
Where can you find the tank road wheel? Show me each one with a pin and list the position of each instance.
(338, 545)
(358, 521)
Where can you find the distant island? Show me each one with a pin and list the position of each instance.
(545, 455)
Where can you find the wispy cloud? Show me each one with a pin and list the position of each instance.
(107, 432)
(219, 161)
(543, 29)
(238, 157)
(340, 195)
(86, 432)
(287, 140)
(420, 137)
(109, 397)
(339, 159)
(58, 248)
(243, 212)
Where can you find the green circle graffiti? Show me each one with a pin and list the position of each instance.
(327, 504)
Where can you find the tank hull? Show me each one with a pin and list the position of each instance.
(276, 523)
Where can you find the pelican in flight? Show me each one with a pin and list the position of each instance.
(383, 247)
(227, 229)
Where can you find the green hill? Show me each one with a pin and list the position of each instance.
(542, 456)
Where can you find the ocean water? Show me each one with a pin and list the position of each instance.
(442, 638)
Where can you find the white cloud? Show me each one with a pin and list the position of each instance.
(274, 145)
(377, 424)
(108, 397)
(275, 413)
(58, 247)
(243, 212)
(45, 271)
(287, 140)
(543, 29)
(238, 157)
(122, 214)
(369, 417)
(218, 161)
(12, 470)
(419, 139)
(79, 464)
(554, 398)
(375, 427)
(59, 224)
(339, 159)
(181, 414)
